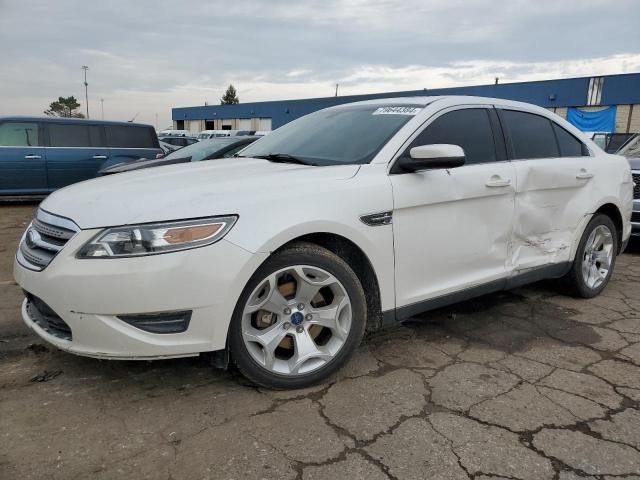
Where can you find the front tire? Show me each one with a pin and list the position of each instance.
(299, 318)
(595, 258)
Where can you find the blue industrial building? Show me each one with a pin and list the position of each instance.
(585, 95)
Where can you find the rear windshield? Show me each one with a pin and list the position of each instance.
(353, 134)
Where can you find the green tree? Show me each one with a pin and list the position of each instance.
(64, 107)
(230, 97)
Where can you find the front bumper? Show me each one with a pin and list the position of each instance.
(89, 295)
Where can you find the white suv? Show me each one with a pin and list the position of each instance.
(347, 218)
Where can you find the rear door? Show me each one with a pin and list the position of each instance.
(75, 152)
(130, 142)
(22, 159)
(554, 186)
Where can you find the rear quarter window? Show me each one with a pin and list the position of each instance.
(569, 145)
(121, 136)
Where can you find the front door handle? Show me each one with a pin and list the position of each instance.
(584, 175)
(497, 181)
(100, 157)
(32, 157)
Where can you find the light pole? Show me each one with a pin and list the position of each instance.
(102, 107)
(86, 88)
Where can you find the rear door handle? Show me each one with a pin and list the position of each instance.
(497, 181)
(32, 157)
(584, 175)
(100, 157)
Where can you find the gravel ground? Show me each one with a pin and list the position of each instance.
(524, 384)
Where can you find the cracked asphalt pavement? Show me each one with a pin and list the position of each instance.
(525, 384)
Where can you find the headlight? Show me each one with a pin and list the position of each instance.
(154, 238)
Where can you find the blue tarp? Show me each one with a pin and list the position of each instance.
(601, 121)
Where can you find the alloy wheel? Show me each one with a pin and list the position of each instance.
(296, 320)
(598, 256)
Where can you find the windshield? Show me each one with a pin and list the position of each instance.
(336, 136)
(199, 150)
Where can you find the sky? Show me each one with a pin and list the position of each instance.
(147, 56)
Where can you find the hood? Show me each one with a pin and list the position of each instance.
(192, 190)
(142, 163)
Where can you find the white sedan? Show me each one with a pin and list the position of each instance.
(345, 219)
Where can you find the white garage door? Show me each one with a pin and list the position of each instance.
(265, 124)
(244, 124)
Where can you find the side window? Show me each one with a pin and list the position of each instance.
(121, 136)
(569, 145)
(95, 136)
(68, 135)
(531, 135)
(19, 134)
(468, 128)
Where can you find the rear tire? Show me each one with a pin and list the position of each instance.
(594, 261)
(299, 318)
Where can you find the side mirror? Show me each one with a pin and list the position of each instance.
(429, 157)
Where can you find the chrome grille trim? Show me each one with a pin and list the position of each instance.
(44, 238)
(636, 179)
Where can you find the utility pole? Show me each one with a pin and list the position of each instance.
(102, 107)
(86, 88)
(337, 89)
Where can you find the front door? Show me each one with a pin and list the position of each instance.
(452, 228)
(22, 159)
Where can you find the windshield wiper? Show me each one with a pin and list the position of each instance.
(285, 158)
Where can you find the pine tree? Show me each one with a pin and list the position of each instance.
(230, 97)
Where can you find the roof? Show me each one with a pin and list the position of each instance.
(86, 121)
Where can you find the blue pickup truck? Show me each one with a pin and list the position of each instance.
(40, 155)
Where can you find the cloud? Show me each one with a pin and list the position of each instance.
(147, 56)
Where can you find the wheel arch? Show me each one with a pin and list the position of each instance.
(357, 259)
(613, 212)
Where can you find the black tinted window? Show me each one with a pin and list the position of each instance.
(469, 129)
(19, 134)
(120, 136)
(570, 146)
(531, 135)
(69, 135)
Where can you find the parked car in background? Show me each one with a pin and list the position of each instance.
(203, 150)
(216, 133)
(167, 148)
(40, 155)
(178, 141)
(611, 142)
(174, 133)
(352, 216)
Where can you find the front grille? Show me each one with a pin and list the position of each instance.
(41, 314)
(636, 188)
(44, 238)
(635, 217)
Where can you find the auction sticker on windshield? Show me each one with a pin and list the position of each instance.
(396, 111)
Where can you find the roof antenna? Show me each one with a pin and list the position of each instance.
(134, 117)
